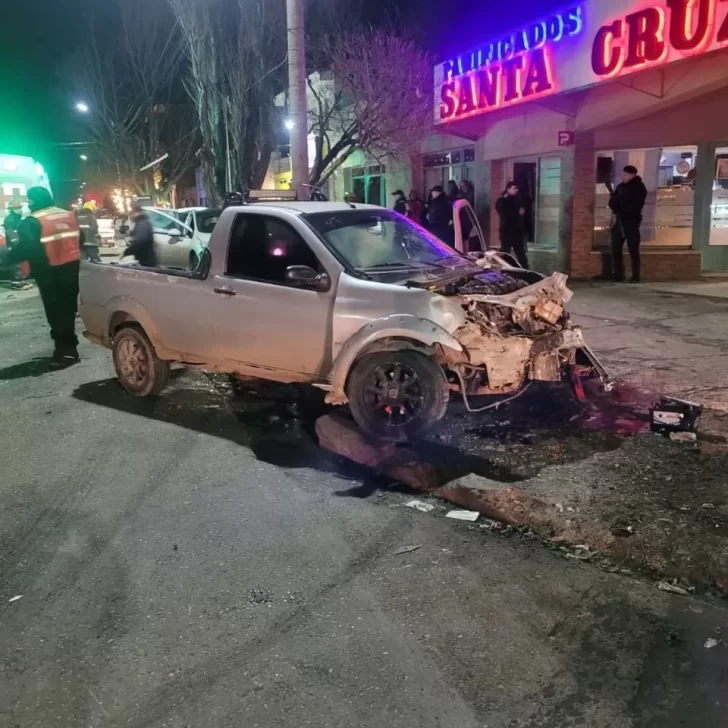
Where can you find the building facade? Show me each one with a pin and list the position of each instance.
(562, 104)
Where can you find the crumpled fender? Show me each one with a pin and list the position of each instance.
(400, 326)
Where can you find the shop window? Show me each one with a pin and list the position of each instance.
(669, 175)
(440, 168)
(719, 199)
(368, 185)
(548, 204)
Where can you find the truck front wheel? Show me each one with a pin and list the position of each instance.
(397, 395)
(140, 371)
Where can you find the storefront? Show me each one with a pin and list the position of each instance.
(563, 104)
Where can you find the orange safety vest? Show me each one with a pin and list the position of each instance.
(60, 235)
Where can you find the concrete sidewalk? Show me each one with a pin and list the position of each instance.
(663, 342)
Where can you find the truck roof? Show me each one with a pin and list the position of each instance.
(304, 207)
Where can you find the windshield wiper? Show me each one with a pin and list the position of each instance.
(414, 265)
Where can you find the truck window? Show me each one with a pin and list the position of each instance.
(262, 248)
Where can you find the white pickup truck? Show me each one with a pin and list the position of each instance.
(354, 299)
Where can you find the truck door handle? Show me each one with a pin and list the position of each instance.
(225, 291)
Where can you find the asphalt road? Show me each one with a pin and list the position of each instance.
(180, 566)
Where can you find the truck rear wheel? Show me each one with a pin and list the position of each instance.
(140, 371)
(397, 395)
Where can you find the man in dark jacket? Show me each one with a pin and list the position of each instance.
(439, 216)
(400, 203)
(627, 202)
(511, 226)
(141, 243)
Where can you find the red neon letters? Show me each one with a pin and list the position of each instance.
(520, 78)
(644, 38)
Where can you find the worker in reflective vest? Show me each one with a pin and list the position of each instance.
(50, 240)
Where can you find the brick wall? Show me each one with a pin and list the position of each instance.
(582, 226)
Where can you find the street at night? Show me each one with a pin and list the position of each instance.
(177, 569)
(362, 364)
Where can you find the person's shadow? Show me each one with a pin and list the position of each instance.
(36, 367)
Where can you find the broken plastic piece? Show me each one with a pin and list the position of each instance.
(672, 589)
(458, 515)
(683, 436)
(419, 505)
(15, 599)
(710, 643)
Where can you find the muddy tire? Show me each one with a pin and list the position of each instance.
(397, 395)
(140, 371)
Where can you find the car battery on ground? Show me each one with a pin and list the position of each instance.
(671, 415)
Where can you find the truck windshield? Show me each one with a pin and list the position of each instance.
(379, 240)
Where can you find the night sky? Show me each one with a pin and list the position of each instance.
(37, 36)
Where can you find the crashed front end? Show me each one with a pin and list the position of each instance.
(515, 333)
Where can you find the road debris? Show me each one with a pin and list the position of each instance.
(708, 506)
(259, 596)
(407, 550)
(711, 642)
(675, 418)
(15, 599)
(419, 505)
(460, 515)
(673, 589)
(622, 528)
(683, 437)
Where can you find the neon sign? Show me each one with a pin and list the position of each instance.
(554, 29)
(509, 71)
(521, 78)
(644, 38)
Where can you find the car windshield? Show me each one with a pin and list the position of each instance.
(206, 220)
(374, 241)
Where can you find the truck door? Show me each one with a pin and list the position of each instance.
(260, 318)
(469, 236)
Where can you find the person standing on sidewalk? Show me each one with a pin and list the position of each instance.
(415, 208)
(627, 202)
(511, 226)
(439, 216)
(50, 240)
(400, 202)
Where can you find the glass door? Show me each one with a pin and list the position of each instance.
(711, 206)
(719, 199)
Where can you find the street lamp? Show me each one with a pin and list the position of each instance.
(82, 107)
(83, 158)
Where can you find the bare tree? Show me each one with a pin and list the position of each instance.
(237, 57)
(130, 80)
(377, 99)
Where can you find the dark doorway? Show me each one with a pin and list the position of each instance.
(524, 175)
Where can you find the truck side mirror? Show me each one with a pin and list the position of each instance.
(301, 276)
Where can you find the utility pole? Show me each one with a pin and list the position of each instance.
(298, 110)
